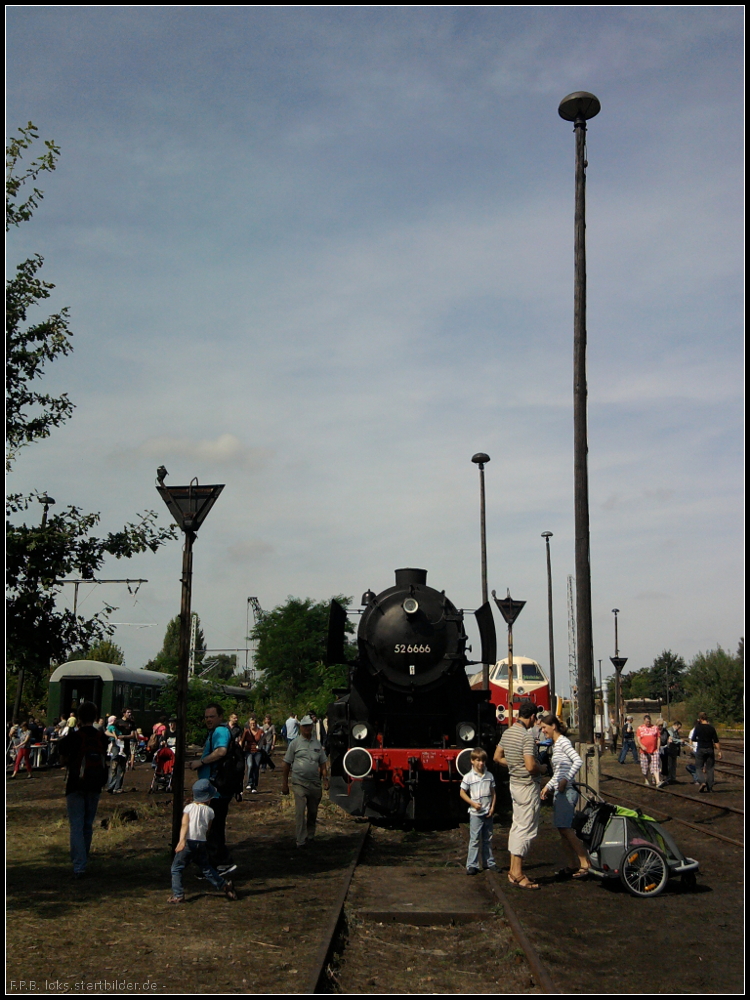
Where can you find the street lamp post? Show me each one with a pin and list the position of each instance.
(578, 108)
(546, 535)
(481, 460)
(189, 505)
(618, 662)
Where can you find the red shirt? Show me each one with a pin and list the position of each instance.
(649, 737)
(250, 739)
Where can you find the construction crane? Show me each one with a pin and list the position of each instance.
(258, 615)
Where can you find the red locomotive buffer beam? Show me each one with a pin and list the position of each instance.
(399, 766)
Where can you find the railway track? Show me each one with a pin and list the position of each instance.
(651, 799)
(406, 919)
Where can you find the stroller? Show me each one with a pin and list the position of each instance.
(163, 763)
(626, 844)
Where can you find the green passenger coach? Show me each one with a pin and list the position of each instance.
(110, 686)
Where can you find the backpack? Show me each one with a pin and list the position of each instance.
(230, 771)
(88, 765)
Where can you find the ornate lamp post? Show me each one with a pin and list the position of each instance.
(189, 505)
(618, 662)
(510, 610)
(578, 108)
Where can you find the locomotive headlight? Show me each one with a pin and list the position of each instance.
(466, 732)
(357, 762)
(359, 731)
(410, 605)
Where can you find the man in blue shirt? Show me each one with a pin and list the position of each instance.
(218, 740)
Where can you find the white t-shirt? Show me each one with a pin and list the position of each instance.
(199, 816)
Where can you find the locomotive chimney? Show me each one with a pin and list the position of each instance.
(411, 577)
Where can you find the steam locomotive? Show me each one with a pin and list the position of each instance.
(400, 736)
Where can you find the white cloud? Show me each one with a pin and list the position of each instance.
(226, 449)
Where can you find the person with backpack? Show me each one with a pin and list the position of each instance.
(212, 766)
(84, 752)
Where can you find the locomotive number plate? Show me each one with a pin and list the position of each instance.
(401, 648)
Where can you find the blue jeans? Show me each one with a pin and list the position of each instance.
(195, 851)
(252, 761)
(81, 808)
(628, 745)
(116, 773)
(480, 842)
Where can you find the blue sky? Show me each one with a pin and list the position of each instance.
(324, 255)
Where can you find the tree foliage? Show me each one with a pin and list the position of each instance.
(39, 556)
(30, 414)
(715, 685)
(220, 666)
(167, 659)
(292, 642)
(651, 682)
(105, 651)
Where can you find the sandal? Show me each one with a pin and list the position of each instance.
(229, 891)
(176, 899)
(566, 872)
(524, 882)
(581, 873)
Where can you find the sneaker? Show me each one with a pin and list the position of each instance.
(472, 871)
(255, 791)
(225, 869)
(248, 788)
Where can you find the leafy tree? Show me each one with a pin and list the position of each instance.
(668, 668)
(715, 685)
(651, 682)
(292, 642)
(103, 652)
(220, 666)
(167, 659)
(39, 556)
(30, 414)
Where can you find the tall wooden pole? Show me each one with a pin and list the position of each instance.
(552, 687)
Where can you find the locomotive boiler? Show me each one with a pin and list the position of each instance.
(400, 736)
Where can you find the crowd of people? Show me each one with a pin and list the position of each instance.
(97, 753)
(657, 747)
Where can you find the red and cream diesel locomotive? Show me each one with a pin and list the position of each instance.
(530, 683)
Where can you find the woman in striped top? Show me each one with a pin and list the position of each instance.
(565, 766)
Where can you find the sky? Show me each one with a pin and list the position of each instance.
(323, 255)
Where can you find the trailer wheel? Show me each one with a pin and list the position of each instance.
(644, 871)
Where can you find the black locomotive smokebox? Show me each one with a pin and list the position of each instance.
(411, 577)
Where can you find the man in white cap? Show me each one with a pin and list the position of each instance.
(306, 760)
